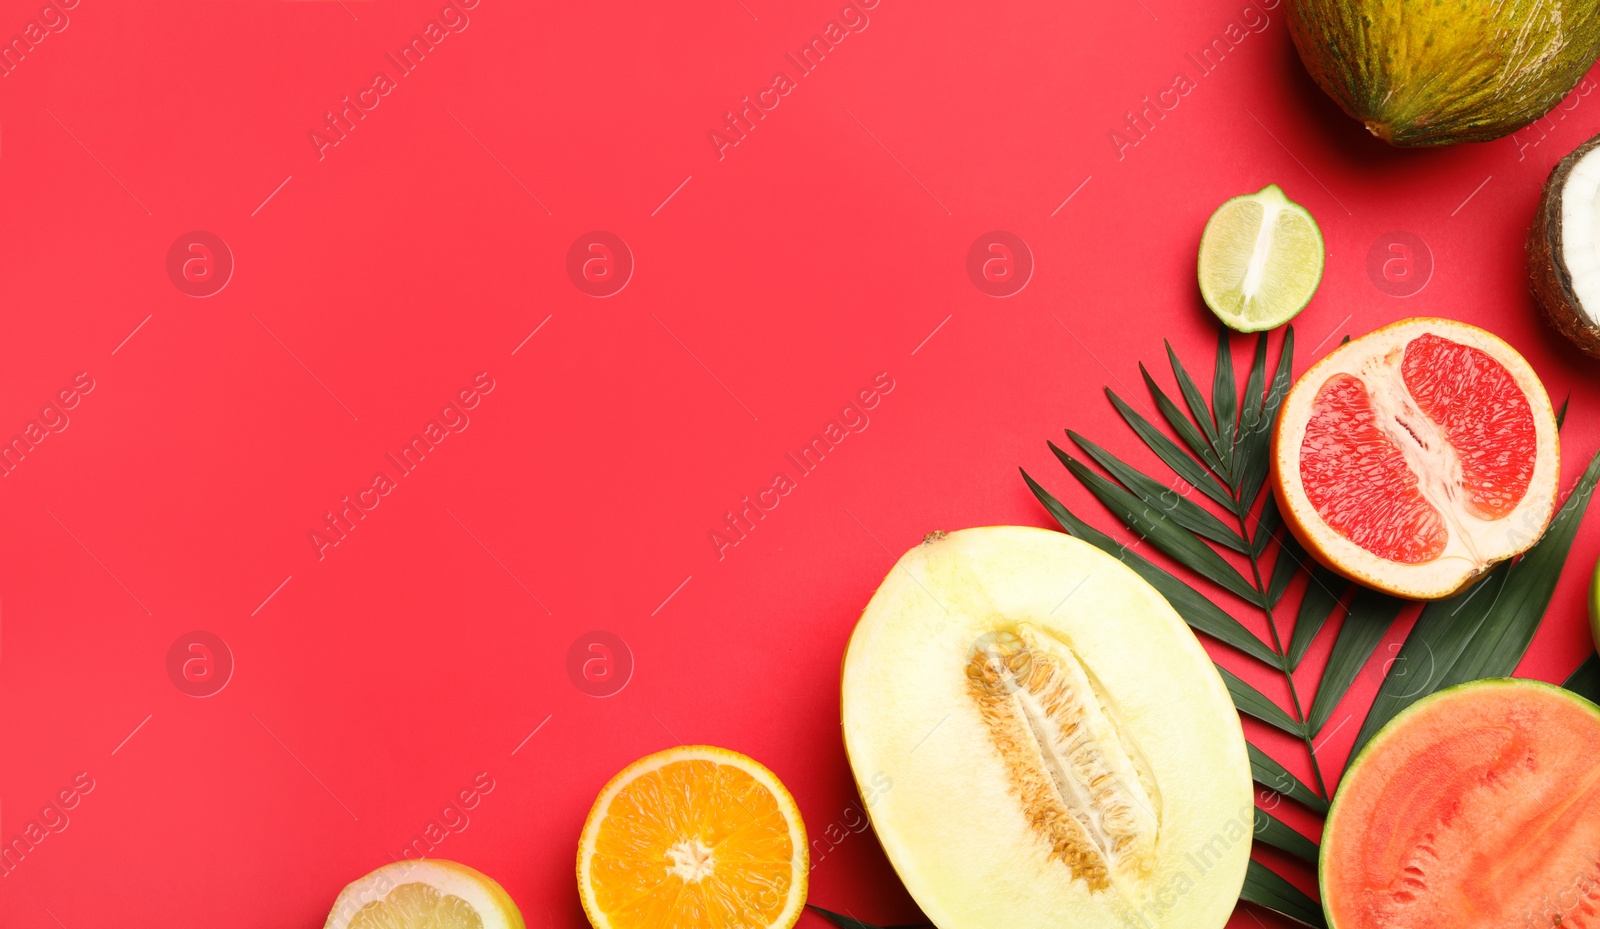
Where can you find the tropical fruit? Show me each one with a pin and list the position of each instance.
(1434, 72)
(692, 837)
(1415, 457)
(427, 894)
(1260, 260)
(1476, 808)
(1564, 248)
(1043, 741)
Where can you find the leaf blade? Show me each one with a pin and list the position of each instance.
(1182, 463)
(1252, 702)
(1181, 544)
(1323, 593)
(1182, 510)
(1265, 888)
(1370, 615)
(1258, 453)
(1276, 833)
(1198, 443)
(1266, 771)
(1585, 682)
(1196, 610)
(1225, 404)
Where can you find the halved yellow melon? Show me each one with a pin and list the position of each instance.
(1046, 742)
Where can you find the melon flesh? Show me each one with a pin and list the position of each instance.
(1477, 807)
(1057, 748)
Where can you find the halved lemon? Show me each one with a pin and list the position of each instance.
(426, 894)
(1260, 260)
(691, 837)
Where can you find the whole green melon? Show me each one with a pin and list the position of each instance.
(1436, 72)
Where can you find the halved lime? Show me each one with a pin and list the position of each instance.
(1260, 260)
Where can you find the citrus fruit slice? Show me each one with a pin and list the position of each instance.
(1476, 808)
(426, 894)
(695, 836)
(1260, 260)
(1417, 456)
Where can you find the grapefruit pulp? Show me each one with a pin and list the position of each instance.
(1415, 457)
(1477, 807)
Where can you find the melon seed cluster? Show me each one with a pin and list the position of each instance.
(1081, 789)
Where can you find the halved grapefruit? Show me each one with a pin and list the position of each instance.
(1415, 457)
(1476, 808)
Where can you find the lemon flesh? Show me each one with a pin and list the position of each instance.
(1260, 260)
(426, 894)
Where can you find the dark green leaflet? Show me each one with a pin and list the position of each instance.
(850, 922)
(1195, 609)
(1197, 405)
(1585, 682)
(1166, 534)
(1181, 510)
(1276, 833)
(1253, 702)
(1225, 403)
(1370, 616)
(1323, 593)
(1264, 888)
(1276, 778)
(1181, 462)
(1199, 444)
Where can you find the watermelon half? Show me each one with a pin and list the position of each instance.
(1478, 806)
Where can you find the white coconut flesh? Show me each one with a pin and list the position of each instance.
(1580, 234)
(1044, 742)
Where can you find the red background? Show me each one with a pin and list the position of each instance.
(773, 285)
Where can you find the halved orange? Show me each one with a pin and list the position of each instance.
(692, 837)
(1414, 458)
(427, 894)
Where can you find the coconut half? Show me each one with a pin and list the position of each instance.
(1564, 248)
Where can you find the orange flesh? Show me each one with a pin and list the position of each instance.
(693, 844)
(1358, 481)
(1481, 810)
(1357, 477)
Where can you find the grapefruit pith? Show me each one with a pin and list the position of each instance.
(1415, 457)
(1476, 808)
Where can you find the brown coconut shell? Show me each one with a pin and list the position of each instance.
(1548, 274)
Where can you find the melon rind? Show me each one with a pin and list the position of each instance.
(1454, 569)
(1374, 748)
(938, 792)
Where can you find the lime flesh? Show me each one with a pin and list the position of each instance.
(1260, 260)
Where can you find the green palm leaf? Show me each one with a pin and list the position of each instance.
(1196, 610)
(1252, 702)
(1323, 593)
(1274, 832)
(1181, 462)
(1370, 616)
(1191, 436)
(1276, 778)
(1225, 405)
(850, 922)
(1167, 535)
(1585, 682)
(1181, 510)
(1263, 888)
